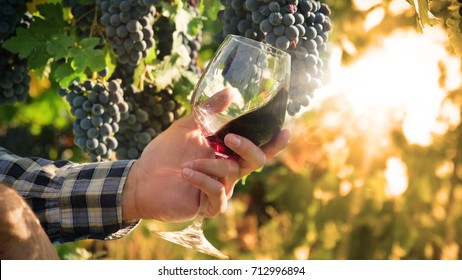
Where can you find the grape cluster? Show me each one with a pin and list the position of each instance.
(14, 75)
(11, 13)
(128, 25)
(151, 112)
(307, 64)
(97, 108)
(14, 78)
(193, 47)
(238, 19)
(279, 21)
(48, 141)
(299, 27)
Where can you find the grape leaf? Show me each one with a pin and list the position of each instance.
(165, 77)
(85, 55)
(17, 44)
(64, 74)
(184, 86)
(423, 14)
(33, 43)
(187, 22)
(59, 45)
(195, 26)
(181, 56)
(91, 58)
(50, 21)
(39, 57)
(89, 43)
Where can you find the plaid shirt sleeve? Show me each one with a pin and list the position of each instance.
(72, 201)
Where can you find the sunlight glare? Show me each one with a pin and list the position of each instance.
(396, 177)
(364, 5)
(397, 80)
(374, 18)
(397, 7)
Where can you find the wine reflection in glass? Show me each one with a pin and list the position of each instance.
(243, 90)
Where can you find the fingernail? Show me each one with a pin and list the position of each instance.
(234, 140)
(187, 173)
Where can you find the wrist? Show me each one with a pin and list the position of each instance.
(129, 209)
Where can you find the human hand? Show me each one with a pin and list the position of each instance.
(165, 183)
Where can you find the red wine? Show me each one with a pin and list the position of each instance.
(259, 126)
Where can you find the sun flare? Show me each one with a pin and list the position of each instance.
(399, 77)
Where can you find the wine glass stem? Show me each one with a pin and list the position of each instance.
(204, 203)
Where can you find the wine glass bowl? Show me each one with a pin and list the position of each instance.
(253, 79)
(243, 90)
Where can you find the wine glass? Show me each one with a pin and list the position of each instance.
(243, 90)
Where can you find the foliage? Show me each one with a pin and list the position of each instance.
(327, 196)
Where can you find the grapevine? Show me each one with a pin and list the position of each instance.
(85, 20)
(299, 27)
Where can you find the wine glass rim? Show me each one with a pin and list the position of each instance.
(251, 43)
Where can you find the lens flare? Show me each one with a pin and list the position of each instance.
(396, 177)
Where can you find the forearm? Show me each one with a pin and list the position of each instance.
(72, 201)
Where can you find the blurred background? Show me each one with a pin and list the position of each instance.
(374, 167)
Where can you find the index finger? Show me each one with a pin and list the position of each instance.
(277, 144)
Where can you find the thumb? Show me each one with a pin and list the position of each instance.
(215, 104)
(218, 102)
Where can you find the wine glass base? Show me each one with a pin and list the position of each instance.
(192, 239)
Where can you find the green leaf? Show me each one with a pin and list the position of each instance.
(180, 54)
(39, 57)
(62, 73)
(188, 22)
(195, 26)
(182, 19)
(49, 22)
(66, 80)
(184, 86)
(89, 43)
(211, 12)
(16, 44)
(85, 55)
(93, 59)
(59, 46)
(165, 77)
